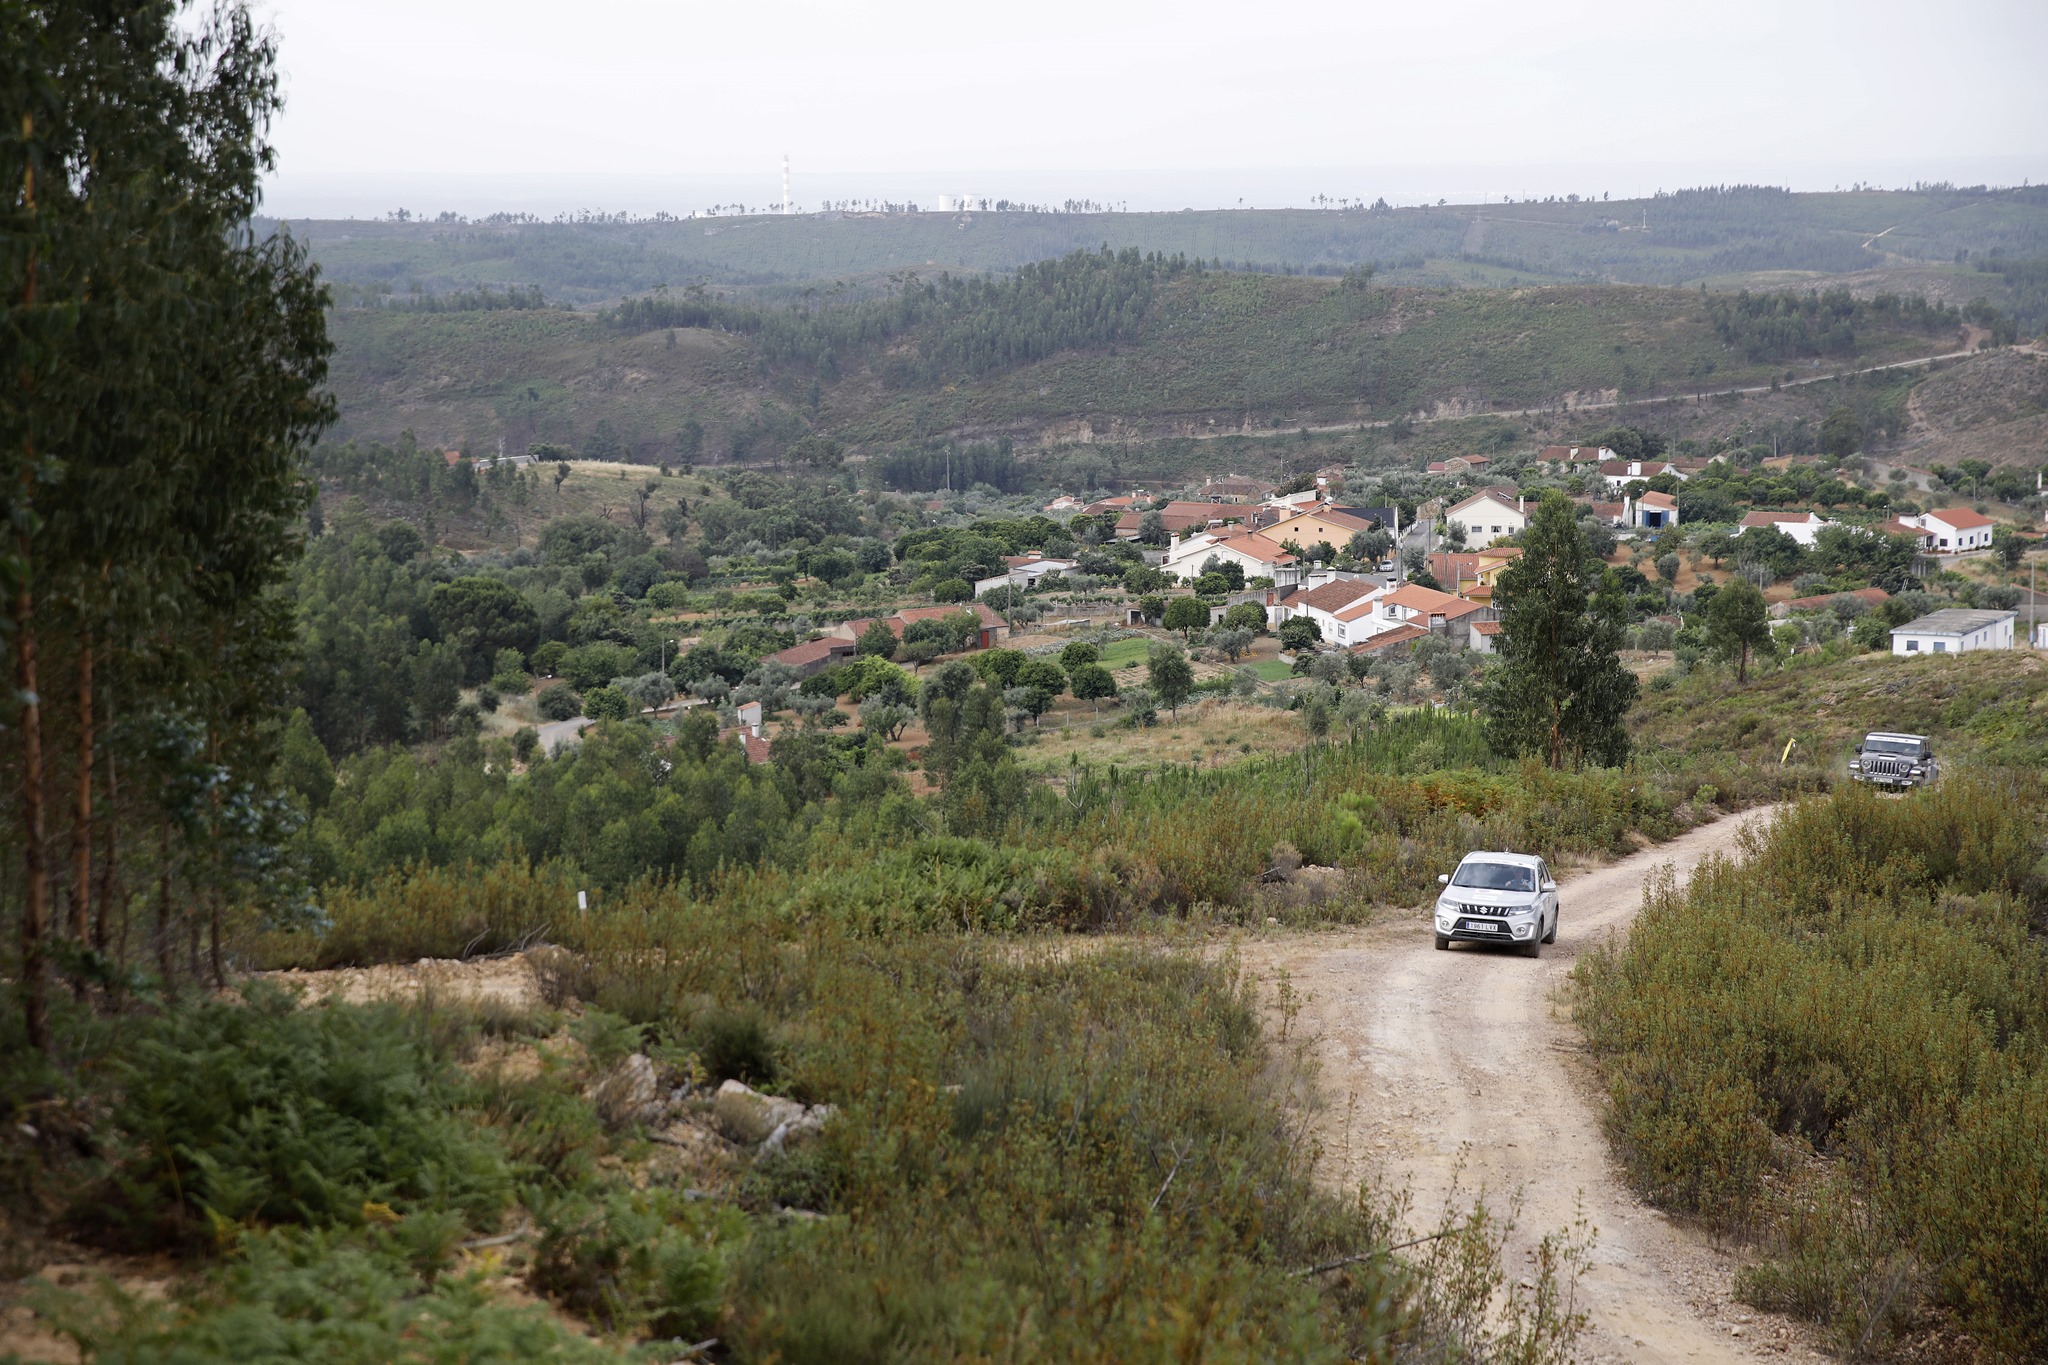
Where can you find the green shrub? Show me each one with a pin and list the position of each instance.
(1864, 989)
(558, 701)
(265, 1112)
(632, 1259)
(284, 1299)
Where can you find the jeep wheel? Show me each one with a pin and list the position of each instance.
(1443, 943)
(1555, 916)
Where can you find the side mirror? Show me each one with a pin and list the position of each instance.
(1550, 886)
(1443, 879)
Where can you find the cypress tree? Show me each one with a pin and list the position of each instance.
(1560, 690)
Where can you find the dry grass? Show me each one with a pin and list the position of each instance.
(1211, 733)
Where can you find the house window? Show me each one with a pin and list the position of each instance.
(1912, 646)
(1941, 646)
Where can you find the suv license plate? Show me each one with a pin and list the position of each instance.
(1484, 926)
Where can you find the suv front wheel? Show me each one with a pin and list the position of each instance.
(1551, 937)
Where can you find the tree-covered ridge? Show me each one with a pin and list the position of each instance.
(1787, 325)
(967, 325)
(1668, 238)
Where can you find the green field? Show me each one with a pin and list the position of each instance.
(1272, 670)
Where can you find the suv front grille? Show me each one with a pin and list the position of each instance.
(1887, 767)
(1490, 911)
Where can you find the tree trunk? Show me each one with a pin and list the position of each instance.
(36, 893)
(163, 902)
(110, 877)
(81, 815)
(35, 908)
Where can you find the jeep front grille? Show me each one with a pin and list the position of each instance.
(1887, 767)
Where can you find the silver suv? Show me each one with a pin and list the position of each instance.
(1507, 898)
(1894, 760)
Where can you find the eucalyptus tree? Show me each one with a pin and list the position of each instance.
(166, 370)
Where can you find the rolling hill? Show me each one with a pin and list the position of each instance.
(1681, 238)
(1201, 353)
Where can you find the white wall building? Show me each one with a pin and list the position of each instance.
(1024, 571)
(1485, 517)
(1804, 527)
(1956, 530)
(1258, 555)
(1955, 631)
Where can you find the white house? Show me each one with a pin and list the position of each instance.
(1955, 631)
(1654, 511)
(2041, 635)
(1342, 608)
(1617, 473)
(1486, 516)
(1024, 571)
(1260, 556)
(1411, 604)
(1804, 527)
(1956, 530)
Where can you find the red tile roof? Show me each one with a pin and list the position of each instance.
(1773, 518)
(1660, 500)
(1335, 595)
(1960, 518)
(1486, 627)
(1429, 602)
(811, 651)
(1397, 636)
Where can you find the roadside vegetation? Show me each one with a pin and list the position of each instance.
(1832, 1049)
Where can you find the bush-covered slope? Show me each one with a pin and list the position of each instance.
(1178, 351)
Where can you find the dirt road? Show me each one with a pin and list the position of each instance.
(1429, 1057)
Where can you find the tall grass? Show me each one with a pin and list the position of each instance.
(1837, 1045)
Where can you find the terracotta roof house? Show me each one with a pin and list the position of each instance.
(1257, 554)
(1233, 488)
(1484, 633)
(1460, 464)
(993, 629)
(1066, 502)
(1342, 609)
(1956, 530)
(1399, 635)
(814, 656)
(1921, 537)
(1176, 517)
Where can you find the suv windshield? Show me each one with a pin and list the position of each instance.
(1495, 877)
(1907, 748)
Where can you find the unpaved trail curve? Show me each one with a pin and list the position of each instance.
(1428, 1055)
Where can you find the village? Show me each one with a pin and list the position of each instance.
(1268, 591)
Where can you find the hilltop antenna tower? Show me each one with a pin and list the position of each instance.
(787, 207)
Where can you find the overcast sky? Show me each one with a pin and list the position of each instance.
(594, 103)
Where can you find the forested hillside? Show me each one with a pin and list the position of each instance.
(1095, 343)
(1669, 239)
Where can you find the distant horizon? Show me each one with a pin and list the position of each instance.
(374, 196)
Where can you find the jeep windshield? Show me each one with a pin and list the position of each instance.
(1495, 877)
(1904, 748)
